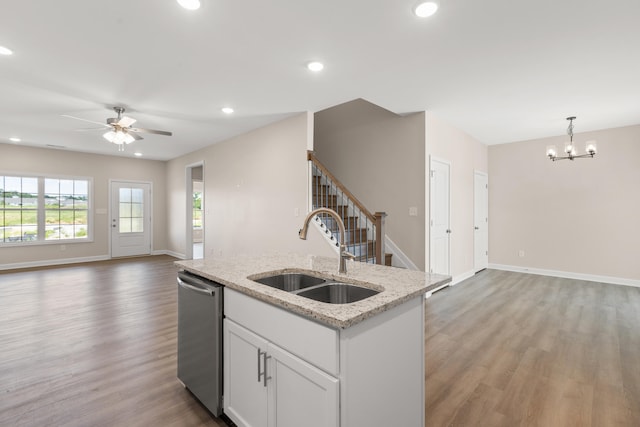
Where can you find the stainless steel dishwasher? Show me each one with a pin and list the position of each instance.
(200, 339)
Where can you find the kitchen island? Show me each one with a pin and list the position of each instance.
(290, 360)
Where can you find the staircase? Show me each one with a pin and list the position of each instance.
(364, 231)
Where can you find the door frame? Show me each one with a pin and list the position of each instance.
(189, 208)
(485, 175)
(111, 213)
(433, 159)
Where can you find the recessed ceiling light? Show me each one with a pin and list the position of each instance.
(426, 9)
(227, 110)
(14, 139)
(315, 66)
(5, 51)
(137, 154)
(190, 4)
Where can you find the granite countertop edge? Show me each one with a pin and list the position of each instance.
(397, 285)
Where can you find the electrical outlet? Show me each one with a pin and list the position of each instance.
(296, 212)
(521, 253)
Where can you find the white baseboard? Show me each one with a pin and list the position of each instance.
(567, 275)
(433, 291)
(170, 253)
(47, 263)
(62, 261)
(454, 281)
(461, 277)
(399, 259)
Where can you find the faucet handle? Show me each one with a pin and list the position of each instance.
(349, 255)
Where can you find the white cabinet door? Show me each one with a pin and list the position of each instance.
(245, 393)
(299, 393)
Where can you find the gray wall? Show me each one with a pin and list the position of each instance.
(18, 160)
(379, 156)
(254, 184)
(570, 216)
(466, 155)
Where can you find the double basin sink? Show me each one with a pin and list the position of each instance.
(316, 288)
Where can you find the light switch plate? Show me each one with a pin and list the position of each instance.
(413, 211)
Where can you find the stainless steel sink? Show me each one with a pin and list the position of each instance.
(290, 281)
(337, 293)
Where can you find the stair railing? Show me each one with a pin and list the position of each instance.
(364, 231)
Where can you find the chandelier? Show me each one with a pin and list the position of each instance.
(570, 148)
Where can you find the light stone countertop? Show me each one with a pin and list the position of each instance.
(397, 285)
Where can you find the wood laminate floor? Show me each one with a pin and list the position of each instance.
(511, 349)
(95, 345)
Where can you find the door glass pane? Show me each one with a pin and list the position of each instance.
(131, 210)
(137, 225)
(125, 195)
(137, 195)
(125, 225)
(125, 210)
(136, 210)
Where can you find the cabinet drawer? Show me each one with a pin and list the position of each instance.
(311, 341)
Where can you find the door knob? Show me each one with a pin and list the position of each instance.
(448, 231)
(477, 228)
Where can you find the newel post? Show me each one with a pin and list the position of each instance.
(380, 233)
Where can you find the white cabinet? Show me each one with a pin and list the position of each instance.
(370, 374)
(265, 385)
(245, 397)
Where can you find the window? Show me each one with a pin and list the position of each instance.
(197, 209)
(43, 209)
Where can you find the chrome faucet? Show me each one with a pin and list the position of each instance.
(342, 269)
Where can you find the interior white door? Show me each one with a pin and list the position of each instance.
(481, 221)
(440, 231)
(130, 218)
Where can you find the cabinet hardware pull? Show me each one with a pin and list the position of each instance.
(264, 363)
(259, 374)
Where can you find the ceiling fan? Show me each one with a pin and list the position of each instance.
(121, 132)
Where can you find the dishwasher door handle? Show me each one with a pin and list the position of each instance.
(194, 288)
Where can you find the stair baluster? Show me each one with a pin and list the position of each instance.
(364, 231)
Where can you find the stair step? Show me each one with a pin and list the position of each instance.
(370, 260)
(350, 222)
(352, 236)
(362, 250)
(321, 190)
(326, 201)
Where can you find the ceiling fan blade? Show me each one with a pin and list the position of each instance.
(88, 129)
(157, 132)
(85, 120)
(135, 136)
(125, 122)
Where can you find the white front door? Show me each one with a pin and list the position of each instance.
(481, 221)
(440, 231)
(130, 218)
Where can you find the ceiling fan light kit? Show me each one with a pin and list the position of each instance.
(570, 148)
(190, 4)
(120, 131)
(118, 137)
(425, 9)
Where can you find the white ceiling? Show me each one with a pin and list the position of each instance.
(501, 70)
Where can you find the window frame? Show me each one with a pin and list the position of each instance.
(42, 208)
